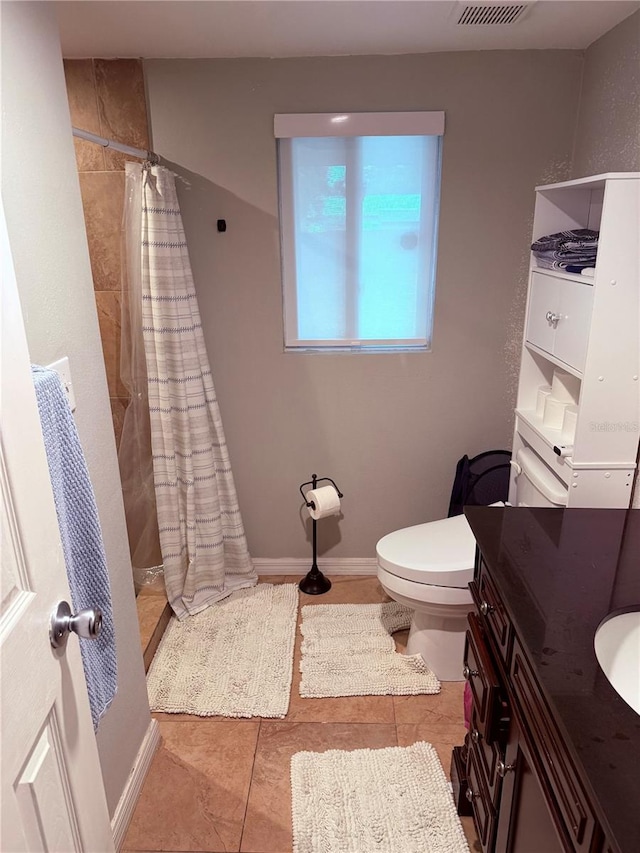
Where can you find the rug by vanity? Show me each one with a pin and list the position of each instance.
(393, 800)
(348, 650)
(234, 659)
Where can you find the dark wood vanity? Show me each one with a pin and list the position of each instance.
(552, 759)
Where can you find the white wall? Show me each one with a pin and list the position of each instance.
(41, 198)
(388, 428)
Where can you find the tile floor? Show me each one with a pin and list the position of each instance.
(220, 785)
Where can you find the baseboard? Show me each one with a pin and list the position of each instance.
(127, 803)
(299, 566)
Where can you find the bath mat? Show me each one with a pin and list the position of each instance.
(234, 659)
(348, 650)
(393, 800)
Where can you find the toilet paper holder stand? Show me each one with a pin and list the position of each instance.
(314, 582)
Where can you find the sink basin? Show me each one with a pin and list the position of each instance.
(617, 647)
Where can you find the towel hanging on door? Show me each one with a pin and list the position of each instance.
(80, 534)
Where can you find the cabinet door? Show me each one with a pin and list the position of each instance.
(525, 823)
(543, 298)
(572, 333)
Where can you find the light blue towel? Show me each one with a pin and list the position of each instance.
(81, 535)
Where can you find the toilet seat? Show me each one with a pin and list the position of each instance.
(438, 553)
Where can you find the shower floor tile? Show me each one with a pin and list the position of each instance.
(222, 786)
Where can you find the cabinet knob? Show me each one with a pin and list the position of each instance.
(476, 737)
(553, 319)
(486, 608)
(469, 794)
(502, 769)
(468, 673)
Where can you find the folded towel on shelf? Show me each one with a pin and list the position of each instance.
(81, 535)
(577, 249)
(580, 238)
(575, 265)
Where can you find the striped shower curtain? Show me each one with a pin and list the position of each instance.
(202, 540)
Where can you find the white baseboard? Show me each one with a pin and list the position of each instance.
(127, 803)
(299, 566)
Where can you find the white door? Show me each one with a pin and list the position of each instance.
(52, 796)
(543, 299)
(572, 335)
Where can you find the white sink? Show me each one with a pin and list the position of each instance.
(617, 647)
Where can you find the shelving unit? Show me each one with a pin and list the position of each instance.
(588, 327)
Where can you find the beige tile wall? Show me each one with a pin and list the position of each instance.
(106, 97)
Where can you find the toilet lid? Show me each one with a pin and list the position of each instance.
(441, 553)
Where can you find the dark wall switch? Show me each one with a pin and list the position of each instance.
(222, 225)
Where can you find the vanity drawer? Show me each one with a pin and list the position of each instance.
(493, 615)
(487, 756)
(480, 672)
(484, 814)
(547, 745)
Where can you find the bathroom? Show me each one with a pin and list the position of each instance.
(515, 119)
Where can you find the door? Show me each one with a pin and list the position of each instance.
(52, 796)
(543, 300)
(572, 335)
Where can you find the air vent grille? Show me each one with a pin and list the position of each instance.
(492, 14)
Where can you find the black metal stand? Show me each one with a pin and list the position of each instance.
(314, 582)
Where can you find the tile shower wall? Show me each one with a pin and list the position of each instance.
(107, 97)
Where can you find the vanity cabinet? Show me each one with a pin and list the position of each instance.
(525, 794)
(586, 326)
(551, 759)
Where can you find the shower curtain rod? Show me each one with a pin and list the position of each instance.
(142, 153)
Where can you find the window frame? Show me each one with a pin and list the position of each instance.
(300, 125)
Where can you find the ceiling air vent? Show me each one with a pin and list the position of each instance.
(492, 13)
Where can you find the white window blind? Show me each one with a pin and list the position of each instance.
(358, 214)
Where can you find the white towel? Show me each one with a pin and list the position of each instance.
(81, 535)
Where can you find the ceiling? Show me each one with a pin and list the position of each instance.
(280, 28)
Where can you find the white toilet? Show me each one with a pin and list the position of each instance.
(428, 567)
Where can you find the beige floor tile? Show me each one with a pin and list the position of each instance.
(349, 589)
(267, 827)
(471, 835)
(195, 795)
(438, 709)
(277, 579)
(150, 609)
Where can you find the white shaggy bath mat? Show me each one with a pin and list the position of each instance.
(348, 650)
(394, 800)
(234, 659)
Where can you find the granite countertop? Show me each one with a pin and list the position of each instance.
(560, 572)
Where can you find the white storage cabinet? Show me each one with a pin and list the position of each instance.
(590, 328)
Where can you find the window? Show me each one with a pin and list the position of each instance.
(359, 199)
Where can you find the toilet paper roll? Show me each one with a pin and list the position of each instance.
(565, 388)
(569, 421)
(553, 413)
(326, 502)
(544, 391)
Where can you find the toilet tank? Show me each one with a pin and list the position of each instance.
(536, 484)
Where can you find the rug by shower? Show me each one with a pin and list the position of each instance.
(234, 659)
(393, 800)
(348, 650)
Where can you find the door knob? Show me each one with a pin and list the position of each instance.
(469, 673)
(486, 608)
(552, 318)
(86, 624)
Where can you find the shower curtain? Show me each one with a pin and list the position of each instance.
(177, 481)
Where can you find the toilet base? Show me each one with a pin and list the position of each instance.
(440, 641)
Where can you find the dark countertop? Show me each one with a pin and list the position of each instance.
(560, 573)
